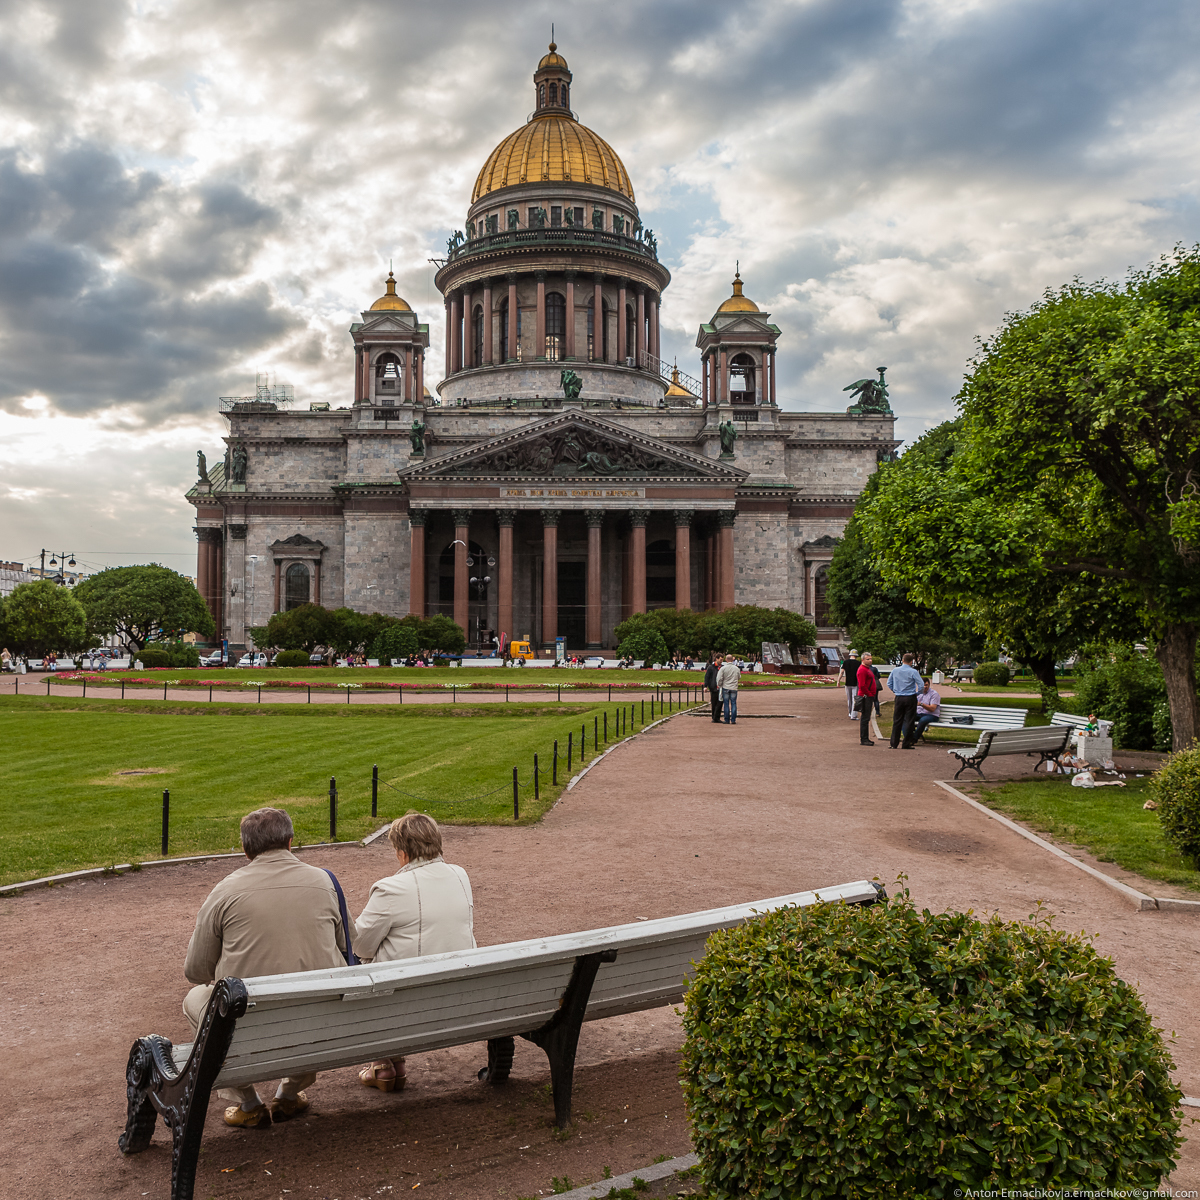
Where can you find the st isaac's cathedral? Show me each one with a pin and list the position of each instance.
(563, 476)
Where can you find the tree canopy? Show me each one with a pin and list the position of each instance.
(143, 604)
(42, 616)
(738, 630)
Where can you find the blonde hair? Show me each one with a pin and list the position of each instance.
(416, 835)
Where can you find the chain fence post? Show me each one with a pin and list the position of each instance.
(166, 822)
(516, 798)
(332, 809)
(554, 767)
(536, 793)
(375, 790)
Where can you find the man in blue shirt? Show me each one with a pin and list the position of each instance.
(905, 683)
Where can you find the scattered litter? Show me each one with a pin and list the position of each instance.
(1085, 779)
(1151, 804)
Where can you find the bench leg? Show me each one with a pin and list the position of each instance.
(973, 764)
(559, 1037)
(500, 1060)
(154, 1085)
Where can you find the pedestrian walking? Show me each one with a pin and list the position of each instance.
(868, 691)
(849, 676)
(905, 684)
(728, 679)
(714, 692)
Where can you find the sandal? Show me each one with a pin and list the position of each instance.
(382, 1075)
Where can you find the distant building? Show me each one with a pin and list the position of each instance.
(12, 574)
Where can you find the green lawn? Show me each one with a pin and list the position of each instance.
(69, 806)
(1110, 822)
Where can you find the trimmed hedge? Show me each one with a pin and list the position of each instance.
(992, 674)
(883, 1052)
(291, 658)
(153, 656)
(1176, 787)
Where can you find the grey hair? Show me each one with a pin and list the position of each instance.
(266, 829)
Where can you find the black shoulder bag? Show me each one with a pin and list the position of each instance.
(348, 954)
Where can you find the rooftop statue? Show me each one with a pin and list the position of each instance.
(872, 396)
(597, 218)
(514, 218)
(239, 459)
(201, 467)
(652, 242)
(728, 436)
(416, 433)
(571, 384)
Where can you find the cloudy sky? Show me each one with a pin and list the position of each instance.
(195, 190)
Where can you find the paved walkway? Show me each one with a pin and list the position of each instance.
(685, 817)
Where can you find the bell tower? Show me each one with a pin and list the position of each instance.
(552, 82)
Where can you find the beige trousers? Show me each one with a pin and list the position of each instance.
(194, 1004)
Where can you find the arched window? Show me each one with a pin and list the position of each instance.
(564, 96)
(388, 378)
(554, 93)
(741, 380)
(597, 349)
(541, 95)
(297, 586)
(820, 596)
(504, 330)
(556, 326)
(477, 336)
(630, 331)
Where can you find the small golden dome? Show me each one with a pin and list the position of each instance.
(676, 388)
(737, 302)
(553, 148)
(553, 59)
(389, 299)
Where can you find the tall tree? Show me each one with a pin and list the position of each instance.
(143, 604)
(42, 616)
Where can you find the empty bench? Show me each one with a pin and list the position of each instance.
(1071, 719)
(982, 716)
(542, 990)
(1048, 741)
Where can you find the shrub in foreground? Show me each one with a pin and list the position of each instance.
(644, 644)
(1176, 787)
(1123, 687)
(882, 1052)
(992, 674)
(291, 658)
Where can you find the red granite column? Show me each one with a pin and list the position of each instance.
(727, 519)
(622, 326)
(488, 357)
(278, 582)
(462, 528)
(683, 558)
(408, 374)
(709, 542)
(456, 325)
(419, 382)
(416, 567)
(539, 347)
(598, 320)
(637, 552)
(773, 401)
(449, 332)
(507, 518)
(569, 350)
(512, 318)
(639, 333)
(595, 521)
(723, 378)
(203, 560)
(550, 575)
(317, 581)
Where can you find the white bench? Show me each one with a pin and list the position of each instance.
(1075, 722)
(542, 990)
(982, 717)
(1048, 741)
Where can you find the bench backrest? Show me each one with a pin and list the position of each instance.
(1061, 718)
(985, 716)
(1042, 737)
(319, 1020)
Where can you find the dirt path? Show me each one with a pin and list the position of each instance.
(685, 817)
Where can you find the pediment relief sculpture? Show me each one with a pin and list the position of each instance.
(574, 452)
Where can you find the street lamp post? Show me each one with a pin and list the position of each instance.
(62, 560)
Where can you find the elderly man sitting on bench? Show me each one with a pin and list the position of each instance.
(270, 917)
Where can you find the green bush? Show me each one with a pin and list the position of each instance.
(183, 654)
(153, 656)
(646, 644)
(291, 658)
(1164, 736)
(440, 633)
(1124, 687)
(1176, 787)
(883, 1052)
(992, 674)
(397, 641)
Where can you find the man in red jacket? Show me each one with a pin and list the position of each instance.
(868, 689)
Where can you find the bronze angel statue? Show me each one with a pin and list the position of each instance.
(871, 395)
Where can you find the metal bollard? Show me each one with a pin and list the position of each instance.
(210, 693)
(166, 820)
(454, 698)
(332, 809)
(516, 798)
(375, 791)
(347, 695)
(554, 767)
(536, 794)
(595, 739)
(309, 686)
(506, 693)
(606, 727)
(569, 748)
(85, 689)
(582, 741)
(122, 689)
(644, 711)
(259, 693)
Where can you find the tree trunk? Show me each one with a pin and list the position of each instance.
(1043, 670)
(1176, 654)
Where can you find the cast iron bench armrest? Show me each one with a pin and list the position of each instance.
(1048, 741)
(542, 990)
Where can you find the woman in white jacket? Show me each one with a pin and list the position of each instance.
(424, 908)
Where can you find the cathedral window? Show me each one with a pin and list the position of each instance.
(597, 348)
(477, 336)
(564, 96)
(579, 216)
(821, 596)
(541, 95)
(554, 93)
(556, 215)
(296, 586)
(630, 332)
(556, 326)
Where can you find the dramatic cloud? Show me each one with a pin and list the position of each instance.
(195, 190)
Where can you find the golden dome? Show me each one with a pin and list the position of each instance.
(553, 59)
(553, 148)
(737, 302)
(676, 388)
(389, 299)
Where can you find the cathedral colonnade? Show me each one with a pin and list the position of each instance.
(575, 573)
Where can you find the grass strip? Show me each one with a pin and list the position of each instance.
(72, 805)
(1109, 822)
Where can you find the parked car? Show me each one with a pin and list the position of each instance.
(216, 659)
(316, 659)
(253, 660)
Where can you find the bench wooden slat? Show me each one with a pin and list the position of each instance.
(1048, 741)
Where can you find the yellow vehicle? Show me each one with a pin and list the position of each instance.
(520, 650)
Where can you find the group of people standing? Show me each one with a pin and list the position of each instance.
(277, 915)
(916, 703)
(723, 677)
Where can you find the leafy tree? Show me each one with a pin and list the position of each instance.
(743, 629)
(644, 643)
(347, 631)
(396, 641)
(441, 635)
(142, 604)
(302, 628)
(42, 616)
(678, 628)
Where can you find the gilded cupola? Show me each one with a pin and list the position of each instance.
(389, 299)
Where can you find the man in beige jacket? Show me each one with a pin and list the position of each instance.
(271, 917)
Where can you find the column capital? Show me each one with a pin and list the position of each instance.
(485, 283)
(418, 516)
(594, 517)
(622, 282)
(540, 276)
(506, 516)
(209, 533)
(570, 274)
(462, 517)
(512, 276)
(639, 517)
(727, 518)
(683, 517)
(598, 276)
(641, 289)
(550, 516)
(238, 532)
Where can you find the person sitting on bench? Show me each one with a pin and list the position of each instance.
(271, 917)
(929, 707)
(424, 908)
